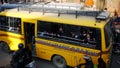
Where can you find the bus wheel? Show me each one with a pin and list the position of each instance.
(5, 47)
(59, 62)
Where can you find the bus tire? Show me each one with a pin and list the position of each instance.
(59, 62)
(5, 47)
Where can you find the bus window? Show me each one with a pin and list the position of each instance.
(108, 34)
(3, 24)
(44, 32)
(70, 34)
(98, 39)
(10, 24)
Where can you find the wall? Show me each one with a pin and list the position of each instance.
(113, 5)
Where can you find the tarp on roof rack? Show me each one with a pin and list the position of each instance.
(9, 6)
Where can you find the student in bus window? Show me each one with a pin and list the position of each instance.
(88, 38)
(73, 35)
(17, 30)
(10, 28)
(91, 33)
(60, 32)
(84, 35)
(42, 33)
(80, 36)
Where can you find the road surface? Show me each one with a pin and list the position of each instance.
(5, 61)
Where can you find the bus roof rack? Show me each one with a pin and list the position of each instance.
(60, 8)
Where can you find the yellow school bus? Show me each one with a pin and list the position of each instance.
(63, 38)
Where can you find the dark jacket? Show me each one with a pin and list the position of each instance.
(89, 64)
(20, 58)
(101, 64)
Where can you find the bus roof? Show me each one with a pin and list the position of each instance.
(64, 18)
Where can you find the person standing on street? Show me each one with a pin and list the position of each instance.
(20, 58)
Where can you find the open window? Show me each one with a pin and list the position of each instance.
(70, 34)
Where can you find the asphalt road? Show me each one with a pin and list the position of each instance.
(4, 58)
(5, 61)
(114, 61)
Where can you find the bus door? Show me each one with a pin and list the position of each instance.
(29, 30)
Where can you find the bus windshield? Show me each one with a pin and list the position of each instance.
(108, 34)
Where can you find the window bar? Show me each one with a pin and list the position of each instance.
(58, 13)
(43, 9)
(29, 10)
(76, 12)
(18, 9)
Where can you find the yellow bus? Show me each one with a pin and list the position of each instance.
(64, 39)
